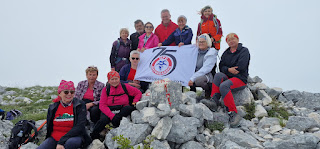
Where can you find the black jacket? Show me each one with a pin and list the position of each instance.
(135, 40)
(78, 129)
(240, 58)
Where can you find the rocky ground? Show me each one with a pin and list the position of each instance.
(167, 118)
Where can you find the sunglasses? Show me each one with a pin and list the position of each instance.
(149, 27)
(133, 58)
(67, 92)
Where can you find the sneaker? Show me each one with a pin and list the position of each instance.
(234, 119)
(210, 104)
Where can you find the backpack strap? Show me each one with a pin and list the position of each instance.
(117, 51)
(31, 123)
(124, 89)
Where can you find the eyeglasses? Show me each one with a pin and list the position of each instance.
(67, 92)
(133, 58)
(149, 27)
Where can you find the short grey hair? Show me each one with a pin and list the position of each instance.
(134, 52)
(165, 10)
(182, 16)
(207, 38)
(124, 30)
(137, 22)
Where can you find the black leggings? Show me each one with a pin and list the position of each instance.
(94, 111)
(104, 120)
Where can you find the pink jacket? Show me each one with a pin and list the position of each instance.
(106, 101)
(151, 43)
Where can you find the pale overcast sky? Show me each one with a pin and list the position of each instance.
(42, 42)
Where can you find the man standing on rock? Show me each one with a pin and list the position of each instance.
(164, 30)
(139, 26)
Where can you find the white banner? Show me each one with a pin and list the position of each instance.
(173, 62)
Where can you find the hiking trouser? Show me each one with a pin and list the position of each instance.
(71, 143)
(222, 86)
(104, 120)
(94, 111)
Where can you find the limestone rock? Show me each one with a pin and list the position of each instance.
(146, 115)
(275, 92)
(267, 122)
(156, 144)
(199, 111)
(230, 145)
(300, 123)
(242, 97)
(304, 141)
(167, 92)
(309, 100)
(162, 129)
(237, 136)
(183, 129)
(96, 144)
(192, 145)
(260, 111)
(5, 130)
(141, 104)
(29, 146)
(266, 99)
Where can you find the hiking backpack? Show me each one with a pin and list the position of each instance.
(125, 92)
(12, 114)
(20, 133)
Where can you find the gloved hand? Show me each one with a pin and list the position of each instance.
(116, 120)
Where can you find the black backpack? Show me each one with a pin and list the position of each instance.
(20, 133)
(125, 91)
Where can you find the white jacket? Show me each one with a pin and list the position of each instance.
(209, 61)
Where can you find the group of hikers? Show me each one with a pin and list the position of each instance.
(108, 103)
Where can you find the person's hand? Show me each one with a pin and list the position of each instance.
(113, 69)
(180, 44)
(159, 44)
(134, 104)
(134, 84)
(233, 70)
(89, 105)
(136, 81)
(212, 39)
(190, 83)
(142, 50)
(59, 146)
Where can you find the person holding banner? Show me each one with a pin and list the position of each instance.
(234, 66)
(120, 51)
(148, 40)
(181, 36)
(114, 103)
(206, 60)
(128, 72)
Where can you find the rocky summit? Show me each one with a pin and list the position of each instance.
(167, 118)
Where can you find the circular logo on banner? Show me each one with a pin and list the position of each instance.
(162, 65)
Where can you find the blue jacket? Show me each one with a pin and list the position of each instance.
(178, 36)
(124, 72)
(240, 58)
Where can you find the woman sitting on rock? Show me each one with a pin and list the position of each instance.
(128, 72)
(90, 91)
(181, 36)
(233, 76)
(114, 103)
(206, 60)
(66, 121)
(148, 40)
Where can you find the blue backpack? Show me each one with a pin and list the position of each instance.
(12, 114)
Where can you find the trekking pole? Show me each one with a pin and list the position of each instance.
(38, 129)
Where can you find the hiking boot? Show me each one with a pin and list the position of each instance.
(210, 104)
(234, 119)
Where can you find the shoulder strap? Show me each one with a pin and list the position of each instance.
(117, 48)
(124, 88)
(200, 24)
(34, 128)
(108, 89)
(216, 23)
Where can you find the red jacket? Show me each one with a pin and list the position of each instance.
(164, 32)
(208, 26)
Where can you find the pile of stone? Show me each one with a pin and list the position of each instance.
(176, 120)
